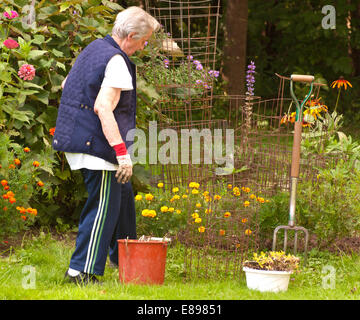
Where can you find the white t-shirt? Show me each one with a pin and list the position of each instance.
(116, 76)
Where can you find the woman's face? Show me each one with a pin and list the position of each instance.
(131, 45)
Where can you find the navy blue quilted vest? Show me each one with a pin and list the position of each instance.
(78, 128)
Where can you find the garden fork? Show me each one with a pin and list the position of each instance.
(295, 167)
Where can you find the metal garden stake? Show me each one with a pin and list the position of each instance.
(295, 167)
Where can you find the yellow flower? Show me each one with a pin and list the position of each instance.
(194, 185)
(184, 196)
(260, 199)
(246, 203)
(171, 209)
(205, 193)
(164, 209)
(152, 213)
(217, 197)
(138, 197)
(245, 189)
(176, 189)
(198, 220)
(227, 214)
(195, 215)
(160, 185)
(252, 196)
(198, 205)
(201, 229)
(145, 212)
(236, 191)
(194, 191)
(244, 220)
(229, 186)
(149, 197)
(207, 211)
(178, 211)
(248, 232)
(176, 197)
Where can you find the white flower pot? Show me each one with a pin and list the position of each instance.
(265, 280)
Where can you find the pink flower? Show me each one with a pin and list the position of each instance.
(10, 43)
(27, 72)
(12, 15)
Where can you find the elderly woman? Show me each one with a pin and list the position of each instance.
(97, 110)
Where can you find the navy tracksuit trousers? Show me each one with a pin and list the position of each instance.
(108, 215)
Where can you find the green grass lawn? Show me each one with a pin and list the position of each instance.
(50, 258)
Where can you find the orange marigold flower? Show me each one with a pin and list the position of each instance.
(17, 162)
(221, 232)
(10, 194)
(201, 229)
(245, 189)
(12, 200)
(340, 82)
(4, 182)
(244, 220)
(26, 149)
(23, 217)
(36, 163)
(21, 210)
(29, 210)
(11, 166)
(6, 188)
(5, 208)
(34, 212)
(52, 131)
(5, 196)
(40, 183)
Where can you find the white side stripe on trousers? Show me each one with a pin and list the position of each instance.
(96, 226)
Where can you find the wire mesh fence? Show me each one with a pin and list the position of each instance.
(220, 232)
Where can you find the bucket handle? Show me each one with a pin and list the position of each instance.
(126, 246)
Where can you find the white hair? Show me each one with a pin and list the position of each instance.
(134, 19)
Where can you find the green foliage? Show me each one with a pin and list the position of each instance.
(20, 173)
(334, 210)
(50, 37)
(291, 40)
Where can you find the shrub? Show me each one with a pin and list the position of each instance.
(20, 171)
(334, 210)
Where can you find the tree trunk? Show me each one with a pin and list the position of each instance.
(234, 68)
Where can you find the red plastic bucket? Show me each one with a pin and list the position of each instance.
(142, 262)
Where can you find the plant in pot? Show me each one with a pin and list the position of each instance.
(270, 271)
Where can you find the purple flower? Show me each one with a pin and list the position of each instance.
(199, 81)
(190, 58)
(166, 63)
(214, 73)
(206, 86)
(250, 79)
